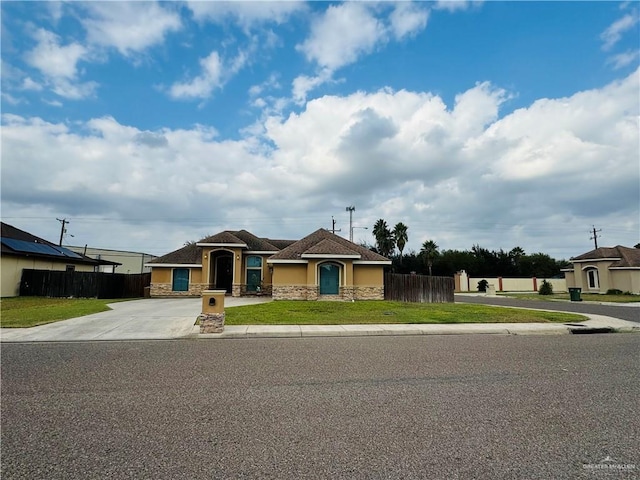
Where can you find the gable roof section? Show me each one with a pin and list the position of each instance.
(23, 244)
(315, 244)
(330, 248)
(240, 238)
(280, 244)
(226, 238)
(190, 254)
(624, 257)
(254, 243)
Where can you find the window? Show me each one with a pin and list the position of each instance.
(254, 273)
(180, 280)
(70, 268)
(592, 279)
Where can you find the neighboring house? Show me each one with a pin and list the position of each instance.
(604, 269)
(22, 250)
(321, 265)
(126, 262)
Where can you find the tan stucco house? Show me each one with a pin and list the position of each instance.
(22, 250)
(322, 265)
(604, 269)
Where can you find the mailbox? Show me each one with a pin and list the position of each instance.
(213, 301)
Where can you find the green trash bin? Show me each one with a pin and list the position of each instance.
(574, 294)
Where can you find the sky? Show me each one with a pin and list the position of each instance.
(150, 124)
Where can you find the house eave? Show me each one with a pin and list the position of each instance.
(585, 260)
(328, 255)
(261, 252)
(174, 265)
(286, 261)
(237, 245)
(372, 262)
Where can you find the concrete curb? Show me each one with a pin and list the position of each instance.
(595, 324)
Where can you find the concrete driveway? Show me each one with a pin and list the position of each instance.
(148, 319)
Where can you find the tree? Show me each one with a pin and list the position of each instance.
(401, 237)
(385, 243)
(429, 250)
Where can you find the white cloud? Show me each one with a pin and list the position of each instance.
(613, 33)
(246, 14)
(29, 84)
(129, 27)
(456, 5)
(408, 19)
(55, 60)
(203, 85)
(59, 65)
(342, 34)
(624, 59)
(537, 177)
(303, 84)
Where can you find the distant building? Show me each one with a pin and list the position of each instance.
(22, 250)
(130, 262)
(606, 268)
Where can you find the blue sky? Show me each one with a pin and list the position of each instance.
(494, 123)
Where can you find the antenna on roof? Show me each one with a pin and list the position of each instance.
(595, 236)
(333, 226)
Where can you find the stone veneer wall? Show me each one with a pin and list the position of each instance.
(164, 290)
(236, 290)
(369, 293)
(347, 293)
(294, 292)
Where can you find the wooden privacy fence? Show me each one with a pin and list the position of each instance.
(49, 283)
(418, 288)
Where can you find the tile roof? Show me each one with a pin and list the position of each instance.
(244, 237)
(627, 257)
(189, 254)
(295, 250)
(319, 242)
(223, 237)
(330, 247)
(280, 244)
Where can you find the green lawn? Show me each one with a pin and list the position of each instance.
(587, 297)
(341, 313)
(31, 311)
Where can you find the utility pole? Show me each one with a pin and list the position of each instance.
(595, 236)
(63, 230)
(333, 226)
(351, 209)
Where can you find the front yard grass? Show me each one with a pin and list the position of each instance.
(32, 311)
(283, 312)
(587, 297)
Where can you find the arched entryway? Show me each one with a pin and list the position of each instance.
(221, 270)
(329, 279)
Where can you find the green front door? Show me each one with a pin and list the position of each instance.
(329, 279)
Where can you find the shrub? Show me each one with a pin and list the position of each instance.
(546, 288)
(614, 291)
(482, 285)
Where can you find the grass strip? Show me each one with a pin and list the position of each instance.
(18, 312)
(284, 312)
(587, 297)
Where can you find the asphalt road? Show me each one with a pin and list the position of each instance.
(631, 313)
(468, 406)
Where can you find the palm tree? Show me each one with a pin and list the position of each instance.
(384, 238)
(428, 251)
(400, 234)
